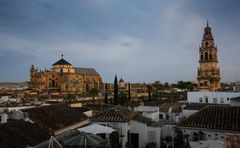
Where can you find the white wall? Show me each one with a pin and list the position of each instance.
(210, 134)
(156, 131)
(166, 130)
(140, 129)
(121, 127)
(225, 96)
(149, 111)
(146, 133)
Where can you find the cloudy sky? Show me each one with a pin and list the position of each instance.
(140, 40)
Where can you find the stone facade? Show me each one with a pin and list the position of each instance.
(208, 73)
(65, 78)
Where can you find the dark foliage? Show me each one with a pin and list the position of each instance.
(115, 99)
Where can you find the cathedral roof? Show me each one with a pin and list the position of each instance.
(62, 62)
(86, 71)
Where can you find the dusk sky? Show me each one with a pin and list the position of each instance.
(139, 40)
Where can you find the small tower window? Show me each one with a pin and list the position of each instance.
(206, 56)
(210, 56)
(61, 70)
(201, 57)
(206, 44)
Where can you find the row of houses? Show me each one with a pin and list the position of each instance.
(137, 126)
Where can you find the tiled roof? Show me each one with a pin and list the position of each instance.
(19, 133)
(113, 115)
(142, 119)
(56, 116)
(236, 98)
(165, 107)
(198, 106)
(215, 117)
(120, 114)
(62, 62)
(86, 71)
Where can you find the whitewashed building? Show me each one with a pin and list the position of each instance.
(211, 97)
(148, 111)
(132, 127)
(214, 122)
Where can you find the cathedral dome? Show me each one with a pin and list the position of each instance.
(62, 62)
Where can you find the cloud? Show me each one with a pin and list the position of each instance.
(139, 40)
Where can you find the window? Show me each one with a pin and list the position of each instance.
(206, 44)
(201, 57)
(61, 70)
(206, 99)
(160, 116)
(210, 56)
(200, 99)
(222, 100)
(215, 100)
(227, 99)
(206, 56)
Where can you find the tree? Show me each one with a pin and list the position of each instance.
(114, 139)
(122, 97)
(166, 85)
(94, 92)
(129, 91)
(185, 85)
(115, 99)
(106, 94)
(149, 87)
(157, 88)
(179, 139)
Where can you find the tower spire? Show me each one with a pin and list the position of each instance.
(62, 56)
(207, 23)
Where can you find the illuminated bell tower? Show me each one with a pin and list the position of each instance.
(208, 78)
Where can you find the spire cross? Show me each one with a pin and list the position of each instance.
(62, 56)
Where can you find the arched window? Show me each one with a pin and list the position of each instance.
(201, 57)
(61, 70)
(210, 56)
(206, 56)
(206, 44)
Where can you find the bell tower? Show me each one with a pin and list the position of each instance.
(208, 78)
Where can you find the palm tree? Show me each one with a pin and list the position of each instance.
(94, 92)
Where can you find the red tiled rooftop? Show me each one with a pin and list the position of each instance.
(215, 117)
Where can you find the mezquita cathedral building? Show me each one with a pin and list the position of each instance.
(65, 78)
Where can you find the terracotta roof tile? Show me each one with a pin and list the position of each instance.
(86, 71)
(115, 114)
(56, 116)
(215, 117)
